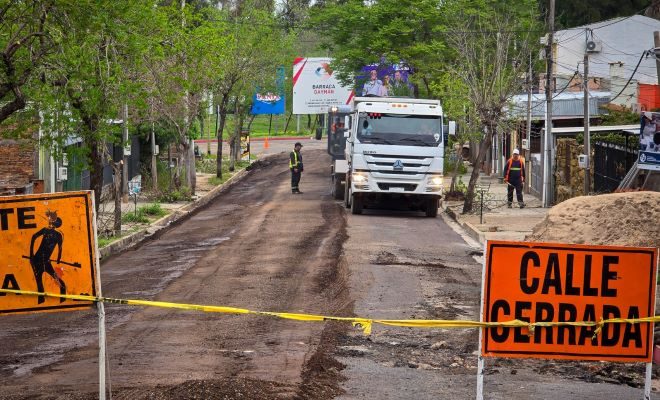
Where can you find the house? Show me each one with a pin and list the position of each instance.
(617, 53)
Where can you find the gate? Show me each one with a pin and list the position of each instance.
(611, 163)
(536, 175)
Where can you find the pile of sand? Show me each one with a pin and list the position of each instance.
(625, 219)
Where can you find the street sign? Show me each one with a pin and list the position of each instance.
(47, 242)
(543, 282)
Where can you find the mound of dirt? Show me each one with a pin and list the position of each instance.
(624, 219)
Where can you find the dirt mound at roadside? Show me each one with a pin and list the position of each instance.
(625, 219)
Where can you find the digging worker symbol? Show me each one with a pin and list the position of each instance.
(296, 167)
(41, 260)
(514, 175)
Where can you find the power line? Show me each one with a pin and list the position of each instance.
(631, 76)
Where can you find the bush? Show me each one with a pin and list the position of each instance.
(183, 194)
(152, 210)
(135, 217)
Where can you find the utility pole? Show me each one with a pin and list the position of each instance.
(547, 140)
(529, 122)
(587, 145)
(124, 167)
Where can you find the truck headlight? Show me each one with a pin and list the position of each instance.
(360, 177)
(435, 180)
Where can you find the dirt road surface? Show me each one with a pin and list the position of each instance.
(259, 247)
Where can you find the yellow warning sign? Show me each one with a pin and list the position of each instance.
(47, 244)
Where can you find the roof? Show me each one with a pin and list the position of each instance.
(623, 40)
(564, 105)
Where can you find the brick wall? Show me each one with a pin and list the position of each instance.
(569, 177)
(17, 158)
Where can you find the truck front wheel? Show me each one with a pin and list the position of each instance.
(432, 206)
(356, 204)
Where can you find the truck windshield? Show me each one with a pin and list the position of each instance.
(400, 129)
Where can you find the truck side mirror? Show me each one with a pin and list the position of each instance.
(347, 133)
(452, 128)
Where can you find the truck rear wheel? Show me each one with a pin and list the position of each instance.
(432, 206)
(356, 204)
(337, 189)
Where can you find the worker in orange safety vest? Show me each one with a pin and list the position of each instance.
(514, 175)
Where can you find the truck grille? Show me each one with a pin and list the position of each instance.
(407, 187)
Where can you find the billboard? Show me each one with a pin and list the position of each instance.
(315, 87)
(267, 103)
(385, 80)
(554, 283)
(649, 142)
(48, 245)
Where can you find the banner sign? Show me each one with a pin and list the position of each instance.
(47, 242)
(649, 142)
(542, 282)
(267, 103)
(315, 87)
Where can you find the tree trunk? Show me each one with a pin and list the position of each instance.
(185, 162)
(96, 171)
(192, 166)
(457, 166)
(221, 127)
(154, 160)
(483, 150)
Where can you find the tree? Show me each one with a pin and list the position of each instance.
(87, 80)
(257, 45)
(29, 34)
(570, 13)
(493, 57)
(360, 33)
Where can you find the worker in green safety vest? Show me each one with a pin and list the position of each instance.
(514, 176)
(296, 167)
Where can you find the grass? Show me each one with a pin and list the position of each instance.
(106, 241)
(153, 210)
(259, 127)
(143, 213)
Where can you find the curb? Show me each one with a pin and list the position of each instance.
(137, 237)
(470, 229)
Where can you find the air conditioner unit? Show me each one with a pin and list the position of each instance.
(594, 47)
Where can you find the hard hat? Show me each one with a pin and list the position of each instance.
(516, 151)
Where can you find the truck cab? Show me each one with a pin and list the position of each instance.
(336, 123)
(394, 154)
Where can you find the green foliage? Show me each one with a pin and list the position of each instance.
(624, 117)
(571, 13)
(183, 194)
(136, 218)
(153, 210)
(143, 214)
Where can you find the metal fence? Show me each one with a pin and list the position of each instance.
(611, 163)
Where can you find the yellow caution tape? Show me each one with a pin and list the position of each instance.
(362, 323)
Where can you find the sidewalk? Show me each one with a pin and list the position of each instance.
(498, 222)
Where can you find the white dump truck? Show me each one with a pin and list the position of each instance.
(394, 154)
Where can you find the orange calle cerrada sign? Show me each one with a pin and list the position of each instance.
(544, 282)
(47, 244)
